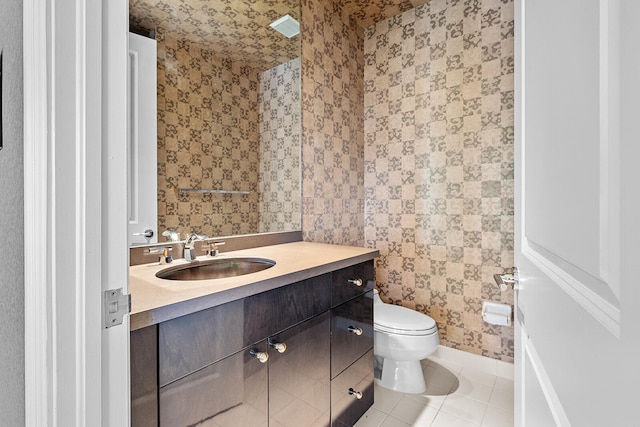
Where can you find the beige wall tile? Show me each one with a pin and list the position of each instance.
(460, 193)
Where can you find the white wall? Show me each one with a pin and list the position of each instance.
(12, 218)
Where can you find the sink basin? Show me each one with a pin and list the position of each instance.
(215, 268)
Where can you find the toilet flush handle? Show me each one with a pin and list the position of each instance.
(357, 282)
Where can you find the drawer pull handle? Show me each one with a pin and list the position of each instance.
(356, 394)
(260, 355)
(357, 331)
(280, 347)
(357, 282)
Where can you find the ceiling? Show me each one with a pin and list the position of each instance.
(239, 29)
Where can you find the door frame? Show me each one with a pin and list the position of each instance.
(76, 371)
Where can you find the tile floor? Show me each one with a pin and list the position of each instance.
(463, 390)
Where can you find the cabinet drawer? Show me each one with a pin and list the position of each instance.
(351, 331)
(346, 408)
(270, 312)
(192, 342)
(231, 392)
(344, 283)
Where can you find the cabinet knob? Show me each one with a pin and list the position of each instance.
(280, 347)
(356, 394)
(260, 355)
(357, 331)
(357, 282)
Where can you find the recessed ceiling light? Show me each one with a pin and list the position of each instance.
(286, 26)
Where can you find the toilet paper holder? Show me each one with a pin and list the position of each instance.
(496, 314)
(510, 278)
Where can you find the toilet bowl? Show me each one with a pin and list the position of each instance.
(402, 338)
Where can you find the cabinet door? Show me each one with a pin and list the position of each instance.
(352, 392)
(299, 377)
(229, 393)
(144, 377)
(351, 332)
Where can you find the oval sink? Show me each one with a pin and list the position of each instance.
(215, 268)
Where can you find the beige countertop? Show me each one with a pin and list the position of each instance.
(155, 300)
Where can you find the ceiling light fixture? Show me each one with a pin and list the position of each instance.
(286, 26)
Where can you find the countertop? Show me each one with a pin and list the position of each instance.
(155, 300)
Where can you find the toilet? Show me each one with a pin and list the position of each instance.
(402, 338)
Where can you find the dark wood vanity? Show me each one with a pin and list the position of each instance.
(297, 355)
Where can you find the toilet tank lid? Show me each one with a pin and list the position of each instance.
(391, 316)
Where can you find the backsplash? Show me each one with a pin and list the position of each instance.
(439, 163)
(332, 125)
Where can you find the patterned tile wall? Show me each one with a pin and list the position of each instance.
(208, 138)
(332, 125)
(279, 175)
(439, 163)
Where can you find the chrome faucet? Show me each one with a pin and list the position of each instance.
(190, 246)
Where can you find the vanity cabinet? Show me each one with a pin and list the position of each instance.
(278, 358)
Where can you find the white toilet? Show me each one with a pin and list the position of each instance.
(402, 338)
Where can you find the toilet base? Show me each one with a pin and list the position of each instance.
(403, 376)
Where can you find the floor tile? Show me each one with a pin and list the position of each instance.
(371, 418)
(465, 408)
(410, 411)
(394, 422)
(472, 390)
(385, 399)
(479, 363)
(444, 419)
(502, 399)
(504, 384)
(434, 396)
(450, 365)
(478, 377)
(497, 417)
(505, 370)
(440, 377)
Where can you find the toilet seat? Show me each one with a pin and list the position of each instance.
(402, 321)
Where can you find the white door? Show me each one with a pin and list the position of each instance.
(577, 220)
(76, 370)
(142, 146)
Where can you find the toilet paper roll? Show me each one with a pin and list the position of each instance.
(496, 318)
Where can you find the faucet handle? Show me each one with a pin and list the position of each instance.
(165, 257)
(213, 248)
